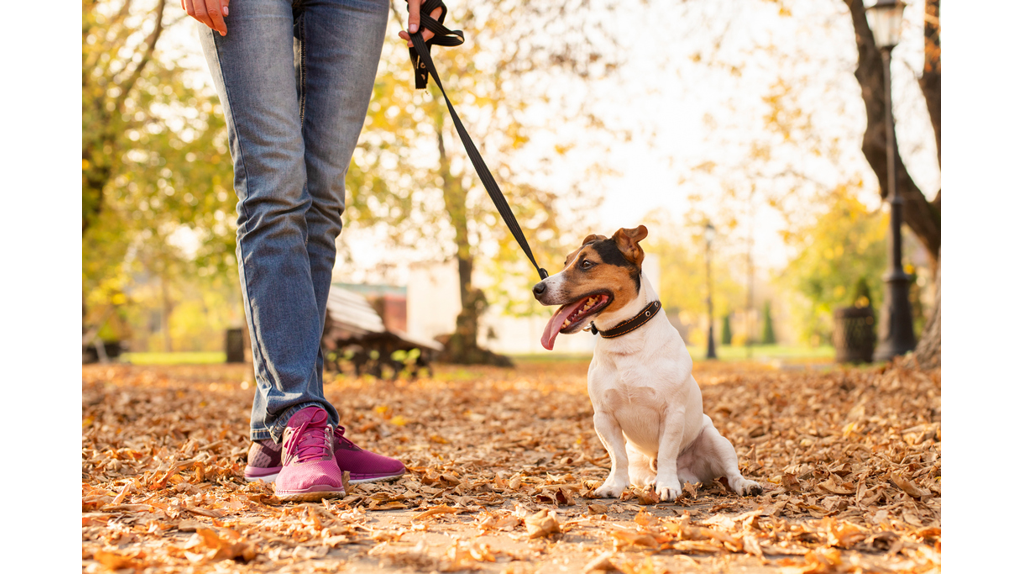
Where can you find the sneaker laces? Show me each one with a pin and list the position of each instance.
(339, 435)
(310, 440)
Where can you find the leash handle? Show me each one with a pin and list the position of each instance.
(442, 37)
(424, 60)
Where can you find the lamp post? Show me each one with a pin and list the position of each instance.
(896, 328)
(709, 234)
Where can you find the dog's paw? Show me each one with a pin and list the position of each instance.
(747, 488)
(610, 490)
(667, 490)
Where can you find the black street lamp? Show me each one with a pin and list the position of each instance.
(709, 234)
(896, 328)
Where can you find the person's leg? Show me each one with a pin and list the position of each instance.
(337, 52)
(254, 74)
(338, 46)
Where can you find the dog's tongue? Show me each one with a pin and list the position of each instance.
(554, 325)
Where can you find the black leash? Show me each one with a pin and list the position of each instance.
(420, 54)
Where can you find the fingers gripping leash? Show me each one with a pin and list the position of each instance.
(442, 37)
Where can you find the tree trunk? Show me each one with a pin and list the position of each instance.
(462, 347)
(919, 214)
(929, 349)
(923, 217)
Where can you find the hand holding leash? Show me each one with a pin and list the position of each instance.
(432, 32)
(414, 21)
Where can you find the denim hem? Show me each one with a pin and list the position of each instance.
(277, 431)
(256, 435)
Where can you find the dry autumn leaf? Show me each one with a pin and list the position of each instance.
(437, 510)
(909, 487)
(629, 537)
(543, 523)
(602, 563)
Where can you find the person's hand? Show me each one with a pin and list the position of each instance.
(209, 12)
(414, 21)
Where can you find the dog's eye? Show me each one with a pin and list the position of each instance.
(586, 264)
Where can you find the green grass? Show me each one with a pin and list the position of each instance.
(757, 352)
(174, 358)
(724, 352)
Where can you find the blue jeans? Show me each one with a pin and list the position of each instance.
(295, 80)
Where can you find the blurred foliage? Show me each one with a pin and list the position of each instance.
(726, 330)
(844, 247)
(768, 334)
(681, 249)
(157, 201)
(862, 293)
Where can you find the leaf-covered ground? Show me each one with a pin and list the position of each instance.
(502, 463)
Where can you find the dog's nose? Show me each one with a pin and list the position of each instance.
(538, 289)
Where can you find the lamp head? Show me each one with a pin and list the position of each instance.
(886, 20)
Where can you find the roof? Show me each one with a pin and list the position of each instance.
(352, 312)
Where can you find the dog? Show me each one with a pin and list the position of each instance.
(648, 410)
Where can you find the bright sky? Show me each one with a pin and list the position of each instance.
(685, 114)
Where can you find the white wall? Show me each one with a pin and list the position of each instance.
(433, 304)
(432, 298)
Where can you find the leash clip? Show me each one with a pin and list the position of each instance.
(593, 328)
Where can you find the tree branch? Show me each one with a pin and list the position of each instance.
(146, 57)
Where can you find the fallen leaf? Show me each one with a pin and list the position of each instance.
(437, 510)
(831, 485)
(842, 534)
(647, 496)
(543, 523)
(115, 560)
(690, 489)
(791, 483)
(909, 486)
(628, 537)
(602, 563)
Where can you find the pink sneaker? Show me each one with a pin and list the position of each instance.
(264, 461)
(363, 465)
(309, 471)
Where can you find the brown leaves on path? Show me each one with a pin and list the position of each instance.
(503, 464)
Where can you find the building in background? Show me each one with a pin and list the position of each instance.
(433, 304)
(387, 300)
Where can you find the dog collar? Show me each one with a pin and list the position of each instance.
(638, 320)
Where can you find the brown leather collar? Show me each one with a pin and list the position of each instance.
(638, 320)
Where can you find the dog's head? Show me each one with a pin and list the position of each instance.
(601, 276)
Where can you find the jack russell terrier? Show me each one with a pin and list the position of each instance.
(648, 410)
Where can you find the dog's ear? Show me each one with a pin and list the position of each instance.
(628, 242)
(593, 237)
